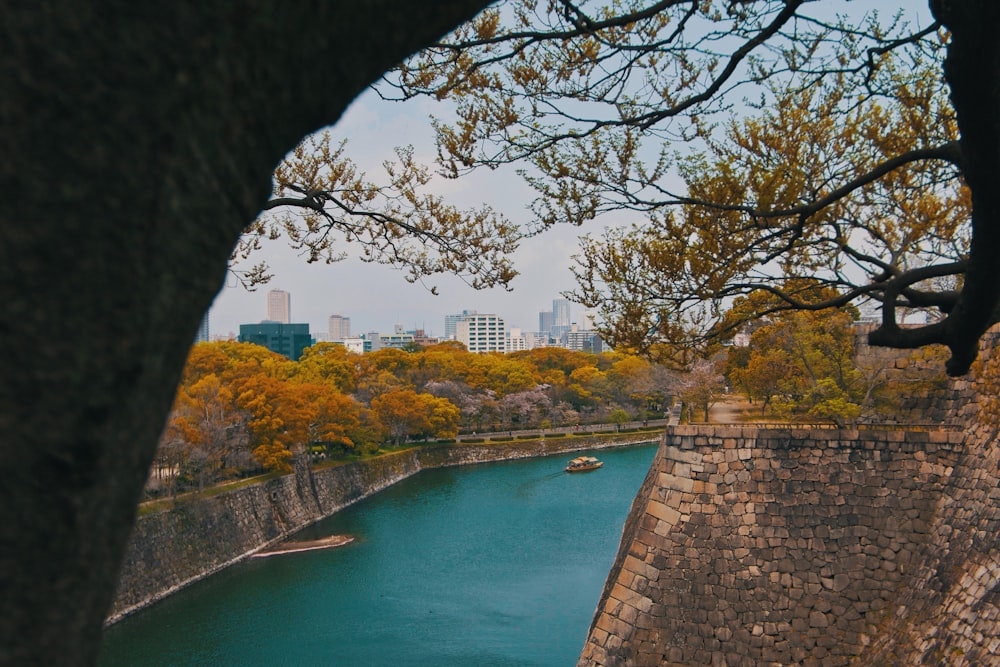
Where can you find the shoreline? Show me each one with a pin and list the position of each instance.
(331, 542)
(154, 568)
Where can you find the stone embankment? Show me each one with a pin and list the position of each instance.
(753, 546)
(173, 549)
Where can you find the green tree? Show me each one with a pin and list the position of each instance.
(803, 362)
(618, 417)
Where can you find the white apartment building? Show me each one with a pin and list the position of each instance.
(482, 333)
(358, 345)
(516, 341)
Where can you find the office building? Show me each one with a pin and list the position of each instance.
(560, 313)
(279, 306)
(339, 329)
(584, 341)
(286, 339)
(451, 323)
(482, 333)
(561, 322)
(397, 339)
(545, 322)
(202, 335)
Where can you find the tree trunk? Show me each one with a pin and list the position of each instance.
(136, 142)
(971, 70)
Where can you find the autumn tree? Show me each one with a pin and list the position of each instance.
(275, 421)
(138, 143)
(762, 375)
(331, 364)
(857, 148)
(803, 363)
(407, 414)
(136, 187)
(332, 420)
(208, 431)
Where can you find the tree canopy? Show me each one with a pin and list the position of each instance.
(322, 205)
(241, 408)
(856, 150)
(138, 142)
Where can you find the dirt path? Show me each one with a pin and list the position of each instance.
(730, 410)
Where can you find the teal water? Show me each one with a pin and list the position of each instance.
(493, 565)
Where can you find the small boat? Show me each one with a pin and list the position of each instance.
(583, 464)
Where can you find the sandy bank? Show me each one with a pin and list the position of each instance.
(311, 545)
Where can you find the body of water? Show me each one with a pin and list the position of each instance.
(491, 565)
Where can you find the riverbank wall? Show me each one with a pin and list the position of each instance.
(754, 546)
(172, 549)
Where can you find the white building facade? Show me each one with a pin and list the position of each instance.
(340, 328)
(279, 306)
(482, 333)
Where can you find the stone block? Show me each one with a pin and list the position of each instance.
(663, 512)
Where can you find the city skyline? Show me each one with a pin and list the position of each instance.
(377, 297)
(439, 328)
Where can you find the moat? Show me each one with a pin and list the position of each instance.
(498, 564)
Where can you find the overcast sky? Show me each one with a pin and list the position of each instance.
(377, 297)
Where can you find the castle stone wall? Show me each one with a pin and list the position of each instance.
(825, 547)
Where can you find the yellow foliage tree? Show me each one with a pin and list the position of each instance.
(840, 148)
(407, 414)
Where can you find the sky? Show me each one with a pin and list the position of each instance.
(377, 297)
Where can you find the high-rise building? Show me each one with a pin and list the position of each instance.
(560, 313)
(202, 335)
(545, 322)
(561, 322)
(482, 333)
(340, 328)
(287, 339)
(279, 306)
(451, 323)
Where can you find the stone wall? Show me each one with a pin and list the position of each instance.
(824, 547)
(173, 549)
